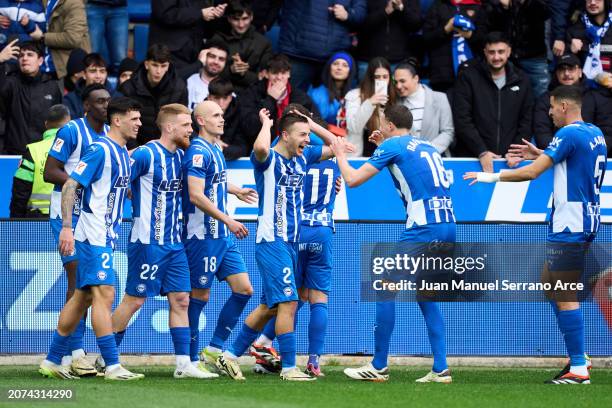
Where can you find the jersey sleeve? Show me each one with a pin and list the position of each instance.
(313, 154)
(562, 144)
(64, 143)
(91, 166)
(140, 162)
(262, 165)
(196, 162)
(384, 155)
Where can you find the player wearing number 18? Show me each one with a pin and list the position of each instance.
(577, 154)
(421, 180)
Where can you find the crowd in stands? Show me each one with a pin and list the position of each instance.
(476, 74)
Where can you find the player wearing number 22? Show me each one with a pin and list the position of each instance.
(420, 178)
(157, 263)
(577, 154)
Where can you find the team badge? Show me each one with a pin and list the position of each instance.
(203, 280)
(141, 288)
(288, 291)
(101, 275)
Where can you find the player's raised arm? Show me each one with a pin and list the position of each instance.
(327, 136)
(529, 172)
(353, 177)
(261, 147)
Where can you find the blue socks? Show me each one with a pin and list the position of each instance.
(571, 325)
(385, 322)
(181, 339)
(243, 341)
(108, 349)
(58, 348)
(317, 328)
(436, 333)
(228, 318)
(193, 312)
(287, 346)
(76, 338)
(119, 337)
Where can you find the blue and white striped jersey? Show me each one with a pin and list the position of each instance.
(156, 176)
(579, 154)
(69, 146)
(320, 194)
(205, 161)
(104, 173)
(279, 186)
(419, 176)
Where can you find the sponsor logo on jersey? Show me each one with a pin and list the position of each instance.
(122, 182)
(57, 146)
(170, 185)
(198, 160)
(291, 180)
(220, 177)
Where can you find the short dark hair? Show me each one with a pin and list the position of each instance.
(94, 59)
(495, 37)
(216, 43)
(288, 119)
(399, 115)
(236, 8)
(158, 53)
(121, 105)
(411, 65)
(56, 114)
(220, 87)
(91, 88)
(279, 63)
(569, 93)
(32, 46)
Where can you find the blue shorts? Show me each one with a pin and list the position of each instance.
(95, 265)
(56, 227)
(156, 270)
(315, 258)
(566, 256)
(213, 257)
(277, 263)
(431, 233)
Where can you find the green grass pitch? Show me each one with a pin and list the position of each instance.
(472, 387)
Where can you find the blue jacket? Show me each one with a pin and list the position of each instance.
(309, 30)
(15, 10)
(320, 98)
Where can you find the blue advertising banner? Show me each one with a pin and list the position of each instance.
(33, 285)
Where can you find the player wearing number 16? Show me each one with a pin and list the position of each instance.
(577, 154)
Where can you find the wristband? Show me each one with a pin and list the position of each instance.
(483, 177)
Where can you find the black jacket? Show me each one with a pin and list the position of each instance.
(255, 98)
(597, 109)
(253, 48)
(487, 118)
(26, 102)
(238, 145)
(560, 14)
(382, 35)
(524, 24)
(170, 90)
(543, 127)
(439, 43)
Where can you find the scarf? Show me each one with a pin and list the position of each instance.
(465, 2)
(592, 65)
(48, 65)
(461, 49)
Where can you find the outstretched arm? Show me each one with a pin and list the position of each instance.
(248, 195)
(352, 176)
(529, 172)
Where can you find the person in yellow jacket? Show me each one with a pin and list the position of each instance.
(31, 195)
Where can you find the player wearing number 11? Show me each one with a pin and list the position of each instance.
(578, 153)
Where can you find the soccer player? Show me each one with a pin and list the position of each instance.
(279, 174)
(157, 263)
(421, 180)
(577, 154)
(104, 175)
(211, 250)
(69, 146)
(313, 274)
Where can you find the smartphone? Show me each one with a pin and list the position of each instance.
(380, 86)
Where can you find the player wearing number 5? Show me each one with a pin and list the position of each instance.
(577, 154)
(421, 180)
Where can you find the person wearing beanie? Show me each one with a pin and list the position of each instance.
(126, 69)
(75, 69)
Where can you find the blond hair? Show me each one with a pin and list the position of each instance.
(170, 110)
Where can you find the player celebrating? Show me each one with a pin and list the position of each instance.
(420, 178)
(279, 174)
(68, 148)
(210, 248)
(157, 263)
(578, 153)
(104, 175)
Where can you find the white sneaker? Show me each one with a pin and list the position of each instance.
(190, 371)
(81, 367)
(230, 367)
(444, 377)
(121, 374)
(296, 375)
(52, 370)
(367, 373)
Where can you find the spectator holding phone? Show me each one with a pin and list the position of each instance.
(363, 104)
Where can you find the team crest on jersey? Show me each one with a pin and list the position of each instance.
(80, 168)
(203, 280)
(57, 146)
(101, 275)
(141, 288)
(288, 291)
(198, 160)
